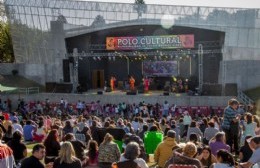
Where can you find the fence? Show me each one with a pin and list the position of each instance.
(30, 90)
(244, 98)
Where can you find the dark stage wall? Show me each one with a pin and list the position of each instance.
(119, 66)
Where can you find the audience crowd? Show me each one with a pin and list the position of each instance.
(95, 135)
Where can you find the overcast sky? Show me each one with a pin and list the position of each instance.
(214, 3)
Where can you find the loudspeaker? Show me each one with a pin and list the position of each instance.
(50, 86)
(211, 89)
(231, 89)
(166, 93)
(131, 93)
(99, 92)
(62, 88)
(66, 70)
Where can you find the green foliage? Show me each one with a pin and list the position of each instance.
(6, 47)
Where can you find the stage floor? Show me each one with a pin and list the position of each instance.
(121, 93)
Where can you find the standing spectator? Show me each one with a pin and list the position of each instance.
(67, 157)
(164, 150)
(225, 160)
(186, 120)
(18, 147)
(6, 153)
(217, 143)
(165, 109)
(52, 146)
(231, 124)
(108, 152)
(254, 160)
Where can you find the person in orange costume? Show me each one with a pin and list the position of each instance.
(112, 83)
(132, 83)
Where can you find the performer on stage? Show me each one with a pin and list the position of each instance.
(146, 84)
(112, 83)
(132, 83)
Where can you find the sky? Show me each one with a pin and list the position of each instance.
(212, 3)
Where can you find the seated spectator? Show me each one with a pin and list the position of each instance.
(92, 155)
(245, 151)
(218, 142)
(6, 154)
(38, 154)
(52, 145)
(28, 129)
(206, 157)
(193, 128)
(164, 150)
(67, 157)
(9, 134)
(151, 139)
(144, 130)
(210, 132)
(224, 160)
(108, 152)
(130, 157)
(187, 157)
(78, 146)
(67, 128)
(17, 126)
(40, 132)
(254, 160)
(19, 148)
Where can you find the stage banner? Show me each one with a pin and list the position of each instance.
(150, 42)
(160, 68)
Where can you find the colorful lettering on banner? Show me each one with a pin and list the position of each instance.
(150, 42)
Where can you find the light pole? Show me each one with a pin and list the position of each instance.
(200, 54)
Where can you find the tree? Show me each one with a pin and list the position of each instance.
(140, 7)
(6, 47)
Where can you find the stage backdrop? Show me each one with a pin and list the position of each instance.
(150, 42)
(160, 68)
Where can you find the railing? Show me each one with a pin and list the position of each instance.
(30, 90)
(244, 98)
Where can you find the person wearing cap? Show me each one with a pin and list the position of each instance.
(254, 160)
(164, 150)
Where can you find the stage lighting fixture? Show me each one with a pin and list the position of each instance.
(94, 58)
(114, 58)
